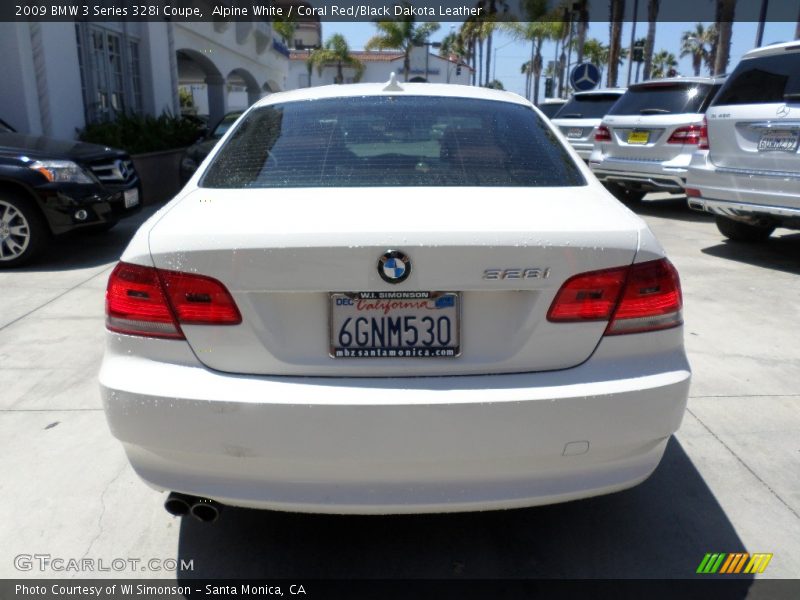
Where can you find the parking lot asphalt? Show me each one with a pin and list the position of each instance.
(729, 482)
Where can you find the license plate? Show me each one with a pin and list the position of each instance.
(131, 197)
(575, 132)
(395, 324)
(638, 137)
(779, 141)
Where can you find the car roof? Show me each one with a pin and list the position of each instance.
(602, 91)
(395, 88)
(554, 101)
(665, 80)
(772, 49)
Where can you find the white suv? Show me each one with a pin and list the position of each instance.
(748, 170)
(646, 141)
(579, 118)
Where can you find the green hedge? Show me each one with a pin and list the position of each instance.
(138, 134)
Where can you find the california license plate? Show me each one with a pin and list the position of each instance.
(395, 324)
(575, 132)
(131, 197)
(638, 137)
(779, 141)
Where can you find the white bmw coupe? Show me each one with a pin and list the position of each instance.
(393, 298)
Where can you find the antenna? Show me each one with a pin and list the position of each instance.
(393, 86)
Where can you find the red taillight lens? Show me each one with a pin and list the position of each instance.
(690, 134)
(702, 144)
(151, 302)
(692, 192)
(602, 134)
(641, 297)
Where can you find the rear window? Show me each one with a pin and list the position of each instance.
(551, 108)
(764, 79)
(662, 99)
(392, 141)
(589, 106)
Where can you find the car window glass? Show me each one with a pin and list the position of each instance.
(660, 98)
(588, 106)
(551, 109)
(392, 141)
(223, 126)
(764, 79)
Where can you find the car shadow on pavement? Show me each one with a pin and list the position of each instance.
(672, 207)
(83, 250)
(660, 529)
(779, 252)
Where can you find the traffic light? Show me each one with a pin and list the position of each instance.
(548, 87)
(638, 51)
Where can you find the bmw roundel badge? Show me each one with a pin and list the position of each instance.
(394, 266)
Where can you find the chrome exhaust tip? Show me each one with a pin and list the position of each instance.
(205, 510)
(178, 505)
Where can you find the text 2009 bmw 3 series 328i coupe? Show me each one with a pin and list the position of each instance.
(393, 298)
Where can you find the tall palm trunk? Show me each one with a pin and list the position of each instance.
(617, 11)
(650, 41)
(727, 9)
(583, 27)
(488, 58)
(537, 70)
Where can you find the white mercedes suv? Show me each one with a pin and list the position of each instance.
(580, 117)
(646, 141)
(393, 298)
(747, 171)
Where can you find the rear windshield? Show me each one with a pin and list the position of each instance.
(589, 106)
(773, 78)
(551, 108)
(392, 141)
(662, 99)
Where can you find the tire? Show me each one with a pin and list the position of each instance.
(23, 235)
(743, 232)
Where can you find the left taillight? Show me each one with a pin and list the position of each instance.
(152, 302)
(633, 299)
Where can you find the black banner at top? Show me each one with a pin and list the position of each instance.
(372, 10)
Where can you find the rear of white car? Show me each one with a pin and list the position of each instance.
(646, 141)
(748, 171)
(389, 300)
(582, 114)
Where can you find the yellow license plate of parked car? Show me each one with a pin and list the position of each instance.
(638, 137)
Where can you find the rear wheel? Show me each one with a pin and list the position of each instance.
(739, 231)
(22, 233)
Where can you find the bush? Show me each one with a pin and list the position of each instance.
(137, 134)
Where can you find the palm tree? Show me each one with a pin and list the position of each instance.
(650, 40)
(402, 34)
(693, 43)
(583, 28)
(616, 12)
(536, 32)
(335, 52)
(726, 10)
(663, 61)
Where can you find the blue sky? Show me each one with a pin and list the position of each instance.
(511, 54)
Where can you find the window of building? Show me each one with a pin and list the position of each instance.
(110, 74)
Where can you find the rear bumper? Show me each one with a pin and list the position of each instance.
(667, 176)
(396, 445)
(744, 193)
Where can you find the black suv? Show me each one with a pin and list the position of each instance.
(49, 187)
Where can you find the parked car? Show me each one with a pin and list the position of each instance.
(393, 298)
(646, 141)
(550, 106)
(747, 171)
(582, 114)
(197, 152)
(51, 187)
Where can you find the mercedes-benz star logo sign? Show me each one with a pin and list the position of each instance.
(121, 169)
(585, 76)
(783, 111)
(394, 266)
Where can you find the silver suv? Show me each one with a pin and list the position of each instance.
(748, 172)
(579, 117)
(646, 141)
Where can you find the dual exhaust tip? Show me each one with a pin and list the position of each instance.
(202, 509)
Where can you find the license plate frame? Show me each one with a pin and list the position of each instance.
(412, 308)
(782, 140)
(638, 137)
(574, 133)
(131, 197)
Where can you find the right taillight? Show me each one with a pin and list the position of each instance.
(602, 134)
(640, 297)
(152, 302)
(702, 143)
